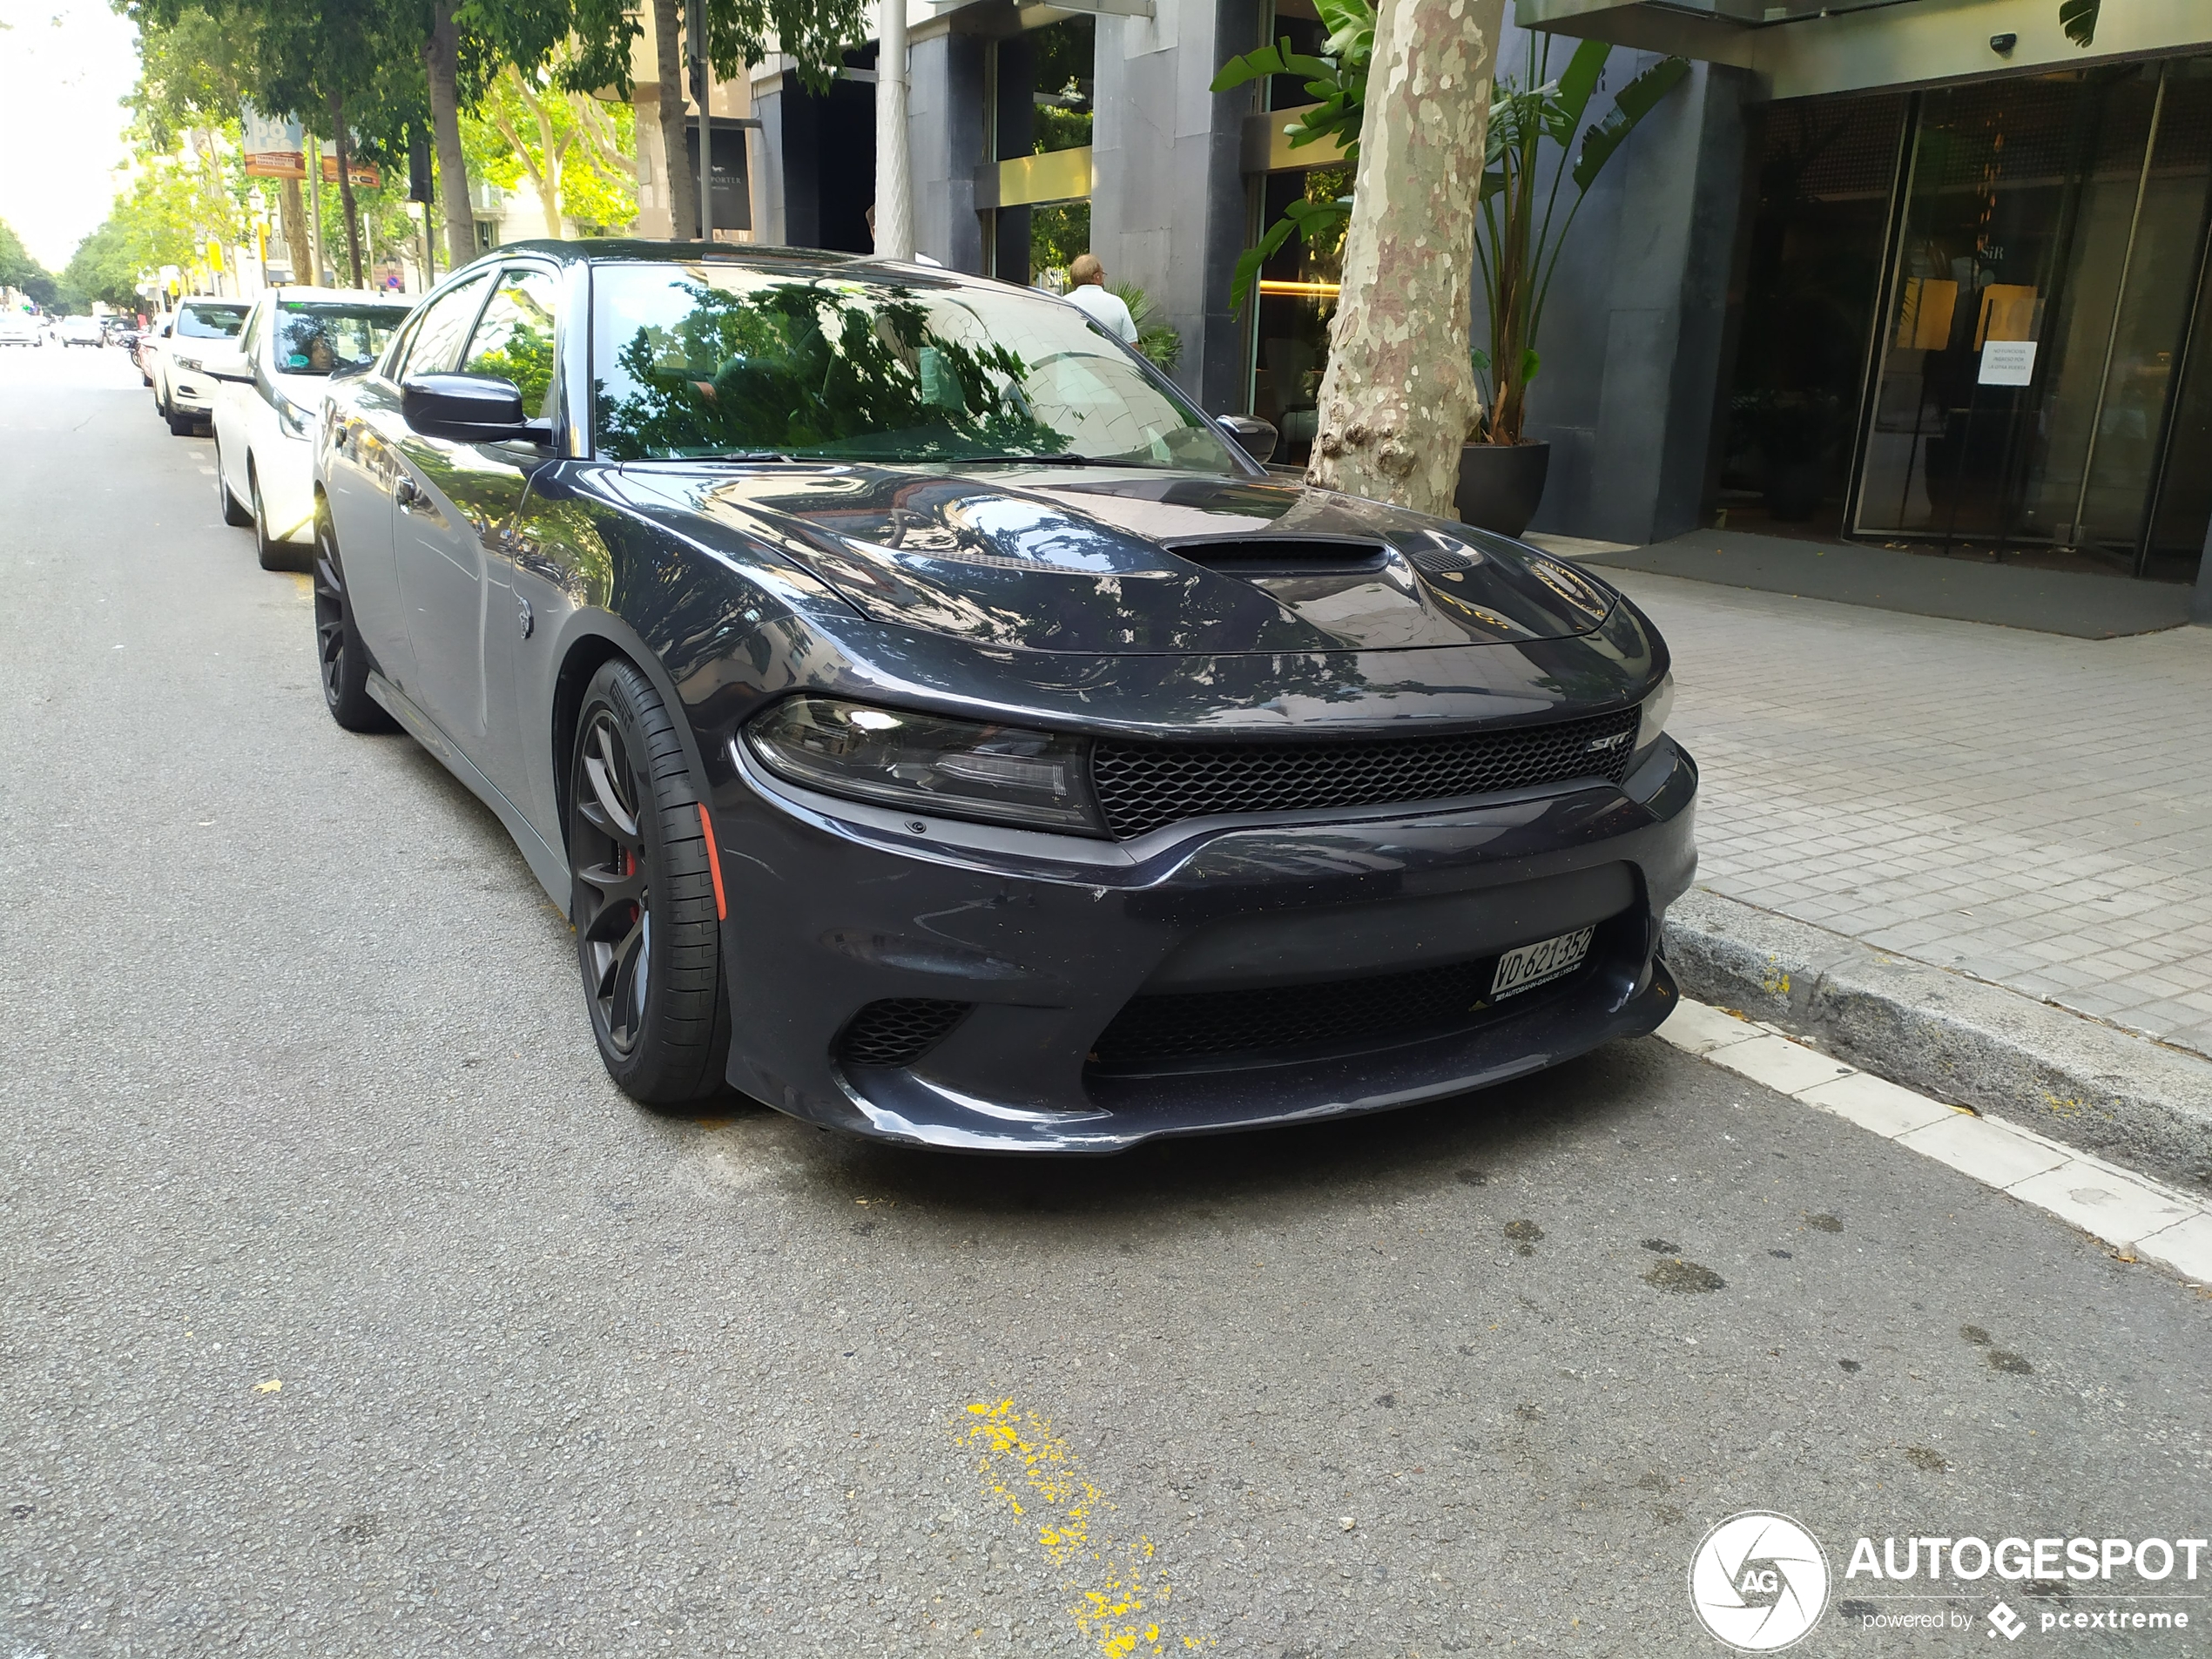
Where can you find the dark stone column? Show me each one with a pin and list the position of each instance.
(1168, 206)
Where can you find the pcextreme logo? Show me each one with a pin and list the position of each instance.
(1759, 1581)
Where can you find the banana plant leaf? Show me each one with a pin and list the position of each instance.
(1633, 102)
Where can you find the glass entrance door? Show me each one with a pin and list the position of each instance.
(2047, 266)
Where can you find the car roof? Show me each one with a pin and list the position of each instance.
(768, 258)
(287, 291)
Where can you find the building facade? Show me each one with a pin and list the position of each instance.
(1921, 272)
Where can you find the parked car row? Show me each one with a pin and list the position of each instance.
(257, 371)
(937, 727)
(23, 329)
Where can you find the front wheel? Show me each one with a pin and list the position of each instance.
(648, 935)
(233, 515)
(341, 657)
(274, 555)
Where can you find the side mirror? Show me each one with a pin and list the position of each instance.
(1253, 435)
(228, 366)
(468, 408)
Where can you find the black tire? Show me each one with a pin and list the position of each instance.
(648, 941)
(274, 555)
(233, 515)
(161, 401)
(341, 657)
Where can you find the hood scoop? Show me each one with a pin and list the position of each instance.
(1257, 556)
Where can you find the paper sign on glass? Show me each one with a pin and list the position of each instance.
(2008, 362)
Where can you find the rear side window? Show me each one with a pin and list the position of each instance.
(209, 322)
(444, 325)
(513, 340)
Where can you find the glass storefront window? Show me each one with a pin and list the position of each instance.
(1810, 281)
(1296, 299)
(1043, 86)
(1298, 287)
(2043, 281)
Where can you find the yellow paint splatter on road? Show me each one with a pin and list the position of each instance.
(1120, 1599)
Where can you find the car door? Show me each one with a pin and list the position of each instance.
(362, 472)
(455, 501)
(231, 413)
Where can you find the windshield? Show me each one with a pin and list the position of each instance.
(210, 322)
(693, 361)
(313, 338)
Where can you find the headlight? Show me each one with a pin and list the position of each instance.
(1656, 708)
(188, 362)
(927, 764)
(294, 420)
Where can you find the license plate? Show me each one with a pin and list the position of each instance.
(1531, 965)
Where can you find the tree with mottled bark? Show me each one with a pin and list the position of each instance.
(1399, 395)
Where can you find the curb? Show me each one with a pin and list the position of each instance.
(2136, 1220)
(1965, 1041)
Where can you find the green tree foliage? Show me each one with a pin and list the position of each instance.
(19, 270)
(1517, 250)
(575, 152)
(1337, 80)
(796, 367)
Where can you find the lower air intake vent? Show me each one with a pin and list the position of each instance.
(898, 1030)
(1144, 785)
(1195, 1027)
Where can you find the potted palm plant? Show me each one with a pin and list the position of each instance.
(1517, 246)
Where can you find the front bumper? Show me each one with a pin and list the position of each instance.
(286, 473)
(1048, 940)
(190, 394)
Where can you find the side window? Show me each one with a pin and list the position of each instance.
(438, 336)
(514, 340)
(251, 339)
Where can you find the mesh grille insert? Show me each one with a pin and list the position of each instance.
(1144, 785)
(898, 1030)
(1338, 1014)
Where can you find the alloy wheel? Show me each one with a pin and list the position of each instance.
(608, 850)
(330, 617)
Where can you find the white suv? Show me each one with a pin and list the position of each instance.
(183, 391)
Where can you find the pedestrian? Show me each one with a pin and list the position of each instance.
(1086, 290)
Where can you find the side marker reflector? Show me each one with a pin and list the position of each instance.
(713, 864)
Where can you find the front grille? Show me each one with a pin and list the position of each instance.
(1142, 785)
(898, 1030)
(1338, 1014)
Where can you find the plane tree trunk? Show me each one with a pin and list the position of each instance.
(1398, 395)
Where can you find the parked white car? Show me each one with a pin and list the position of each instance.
(269, 395)
(81, 331)
(183, 391)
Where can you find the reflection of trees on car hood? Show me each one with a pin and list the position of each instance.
(800, 368)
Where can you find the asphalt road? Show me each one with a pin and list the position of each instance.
(296, 1088)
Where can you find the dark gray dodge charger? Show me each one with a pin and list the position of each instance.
(936, 728)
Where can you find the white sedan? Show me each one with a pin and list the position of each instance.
(269, 396)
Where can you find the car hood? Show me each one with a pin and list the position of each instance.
(1118, 560)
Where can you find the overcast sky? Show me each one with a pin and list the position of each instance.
(64, 65)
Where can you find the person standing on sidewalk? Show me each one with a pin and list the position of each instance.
(1086, 290)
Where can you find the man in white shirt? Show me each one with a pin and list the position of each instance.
(1086, 289)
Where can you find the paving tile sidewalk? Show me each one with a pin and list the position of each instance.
(2028, 809)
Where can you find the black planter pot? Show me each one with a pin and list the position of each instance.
(1501, 484)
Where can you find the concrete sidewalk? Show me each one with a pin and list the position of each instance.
(2016, 810)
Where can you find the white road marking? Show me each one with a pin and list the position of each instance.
(2124, 1210)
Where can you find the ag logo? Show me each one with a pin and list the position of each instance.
(1759, 1581)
